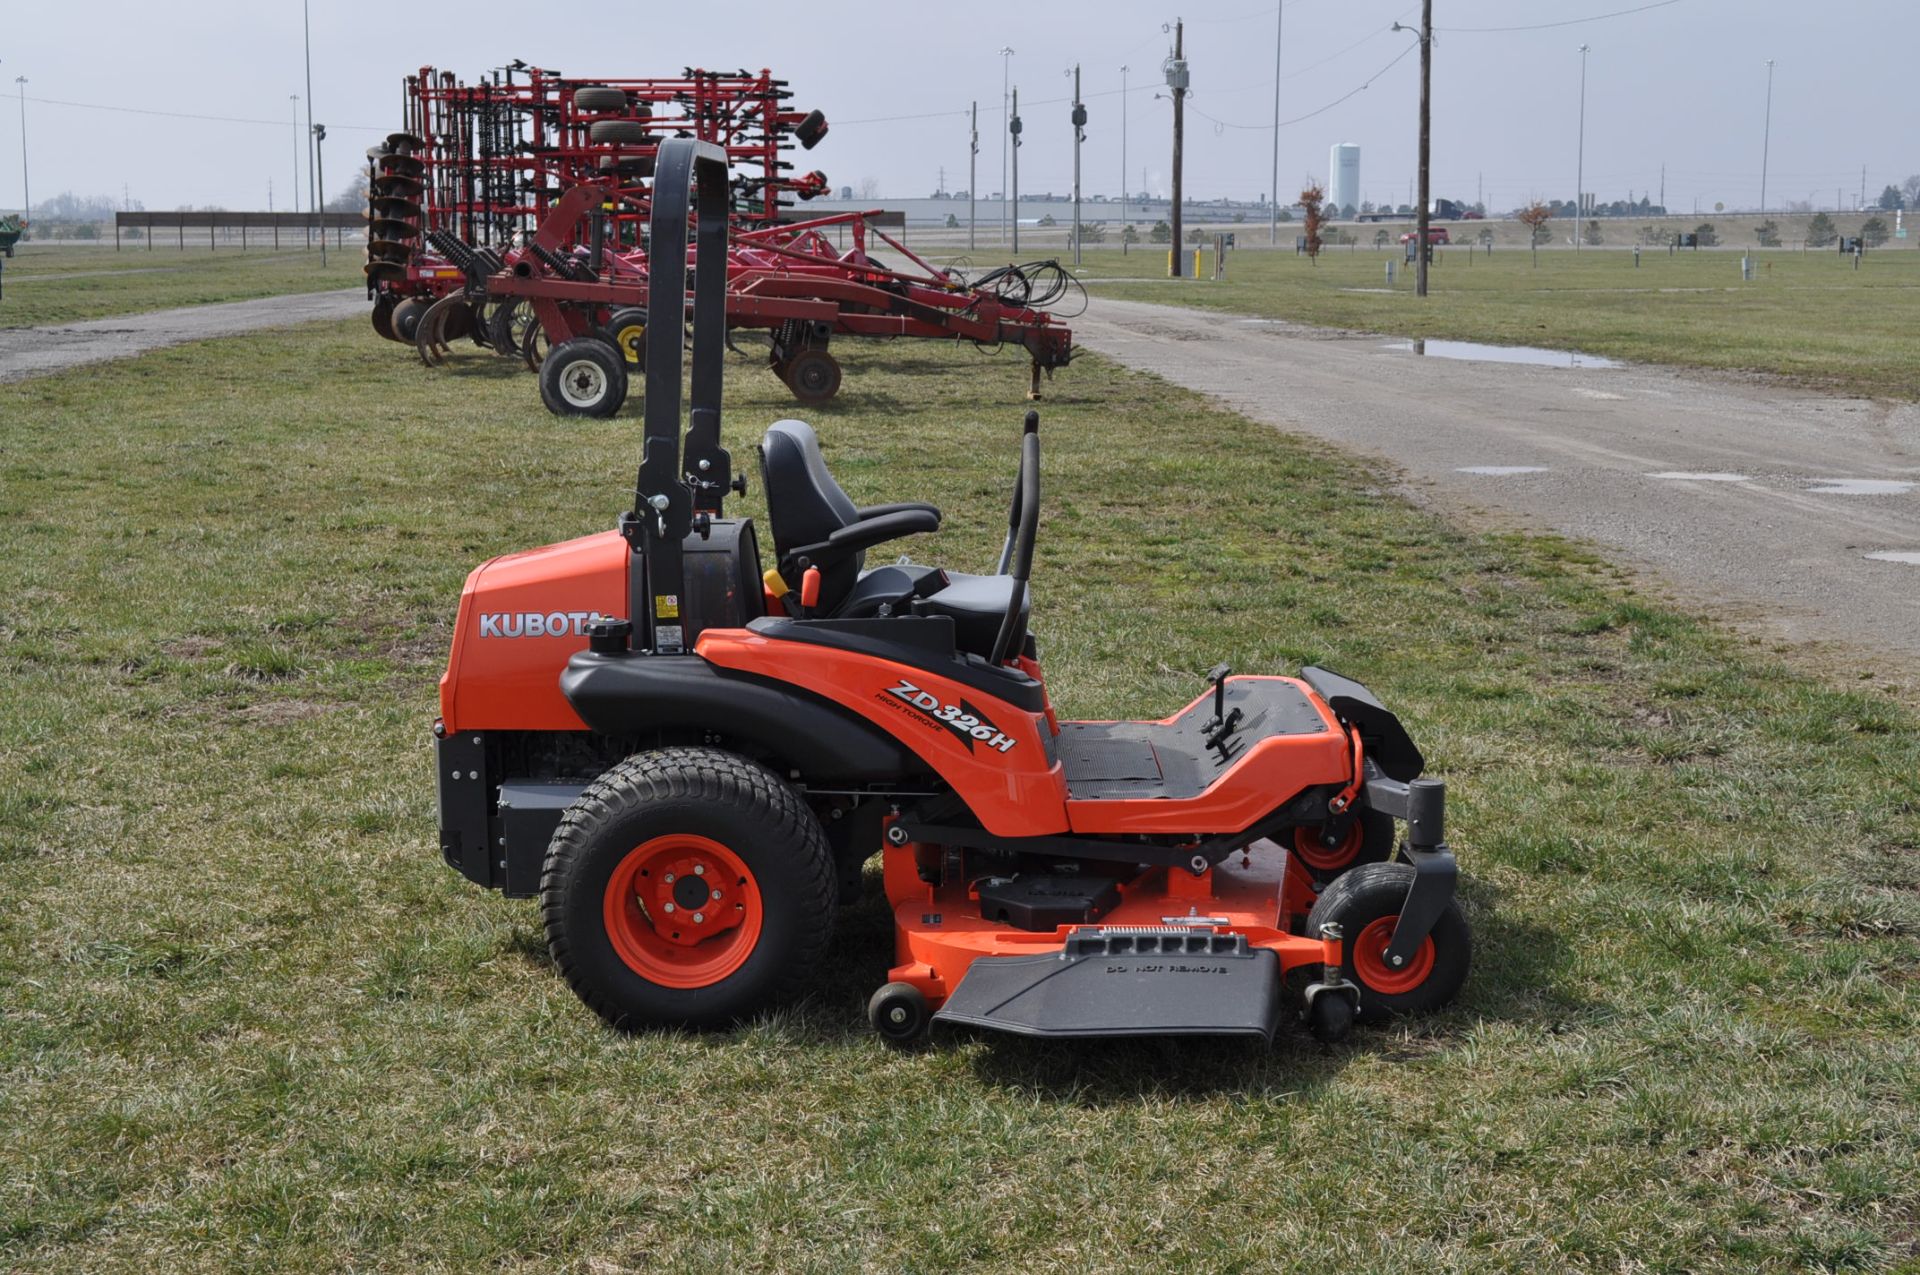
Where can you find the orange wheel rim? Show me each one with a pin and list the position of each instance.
(683, 911)
(1318, 856)
(1369, 957)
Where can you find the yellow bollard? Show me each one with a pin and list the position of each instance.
(1170, 261)
(1196, 263)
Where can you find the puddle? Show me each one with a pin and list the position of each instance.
(1278, 323)
(1501, 471)
(1687, 476)
(1473, 351)
(1907, 556)
(1602, 395)
(1860, 487)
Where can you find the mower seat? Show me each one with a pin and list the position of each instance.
(812, 518)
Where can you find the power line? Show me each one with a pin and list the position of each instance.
(940, 115)
(185, 115)
(1365, 39)
(891, 119)
(1299, 119)
(1569, 22)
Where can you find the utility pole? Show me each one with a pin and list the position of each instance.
(296, 152)
(1663, 190)
(1006, 120)
(26, 191)
(1273, 213)
(1123, 161)
(1426, 142)
(1013, 132)
(1766, 140)
(973, 169)
(320, 187)
(313, 154)
(1580, 164)
(1177, 81)
(1079, 136)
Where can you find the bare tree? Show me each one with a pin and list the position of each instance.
(1310, 199)
(1911, 189)
(869, 188)
(1535, 217)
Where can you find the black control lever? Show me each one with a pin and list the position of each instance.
(1218, 675)
(1218, 732)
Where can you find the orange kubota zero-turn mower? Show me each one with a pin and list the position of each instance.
(692, 788)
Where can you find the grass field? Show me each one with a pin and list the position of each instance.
(251, 1022)
(1810, 317)
(62, 283)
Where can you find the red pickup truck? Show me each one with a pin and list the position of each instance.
(1435, 234)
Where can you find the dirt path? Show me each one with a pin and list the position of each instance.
(26, 352)
(1793, 508)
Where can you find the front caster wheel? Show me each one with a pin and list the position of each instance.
(1366, 902)
(899, 1013)
(1330, 1016)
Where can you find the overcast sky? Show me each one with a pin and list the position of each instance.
(1683, 84)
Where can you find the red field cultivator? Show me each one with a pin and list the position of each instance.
(477, 166)
(512, 213)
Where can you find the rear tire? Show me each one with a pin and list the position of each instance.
(608, 897)
(583, 377)
(1366, 901)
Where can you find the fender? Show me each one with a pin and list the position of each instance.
(632, 694)
(1387, 743)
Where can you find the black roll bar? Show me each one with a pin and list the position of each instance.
(689, 188)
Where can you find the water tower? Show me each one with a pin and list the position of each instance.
(1343, 180)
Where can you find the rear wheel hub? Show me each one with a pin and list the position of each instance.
(683, 911)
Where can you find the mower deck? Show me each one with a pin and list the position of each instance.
(1177, 954)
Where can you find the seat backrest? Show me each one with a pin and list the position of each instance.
(804, 504)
